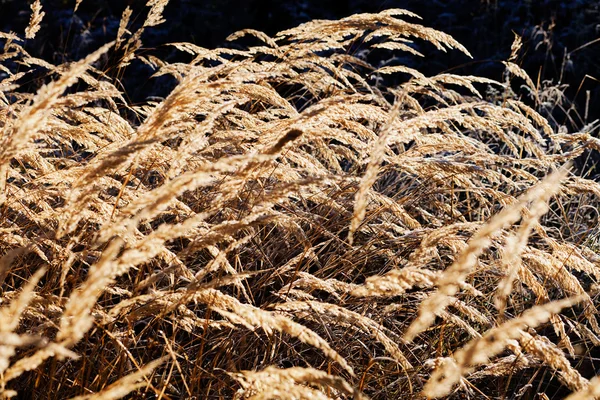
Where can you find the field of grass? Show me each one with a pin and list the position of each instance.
(292, 221)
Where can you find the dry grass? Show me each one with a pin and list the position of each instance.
(287, 223)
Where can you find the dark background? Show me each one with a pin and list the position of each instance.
(553, 32)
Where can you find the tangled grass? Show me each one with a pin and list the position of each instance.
(285, 224)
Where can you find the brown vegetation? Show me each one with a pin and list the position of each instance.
(284, 225)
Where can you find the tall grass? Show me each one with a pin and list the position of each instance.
(290, 222)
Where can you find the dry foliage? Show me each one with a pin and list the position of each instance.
(291, 221)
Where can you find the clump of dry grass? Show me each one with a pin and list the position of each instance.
(286, 224)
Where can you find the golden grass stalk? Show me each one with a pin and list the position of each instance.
(292, 383)
(312, 309)
(396, 282)
(36, 18)
(552, 356)
(250, 316)
(591, 391)
(123, 25)
(515, 244)
(126, 384)
(448, 284)
(480, 350)
(377, 153)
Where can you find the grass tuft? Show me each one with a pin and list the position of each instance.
(291, 221)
